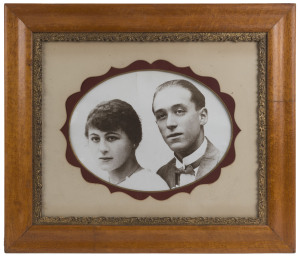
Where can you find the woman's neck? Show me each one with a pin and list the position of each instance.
(126, 170)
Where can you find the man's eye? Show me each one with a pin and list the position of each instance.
(111, 138)
(180, 111)
(160, 116)
(95, 139)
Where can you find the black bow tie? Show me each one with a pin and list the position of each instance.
(187, 170)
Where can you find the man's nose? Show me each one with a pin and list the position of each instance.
(171, 122)
(103, 147)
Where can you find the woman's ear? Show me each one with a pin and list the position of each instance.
(203, 116)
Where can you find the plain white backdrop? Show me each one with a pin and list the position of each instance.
(2, 99)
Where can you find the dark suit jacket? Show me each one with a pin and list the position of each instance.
(208, 161)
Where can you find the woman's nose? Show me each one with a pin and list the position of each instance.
(103, 147)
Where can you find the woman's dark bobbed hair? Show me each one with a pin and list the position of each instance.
(113, 115)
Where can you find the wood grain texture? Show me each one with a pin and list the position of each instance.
(281, 128)
(149, 18)
(277, 20)
(176, 239)
(281, 59)
(18, 146)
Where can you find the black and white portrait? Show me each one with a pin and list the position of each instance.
(150, 130)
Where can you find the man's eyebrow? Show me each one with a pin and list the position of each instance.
(172, 107)
(178, 105)
(94, 134)
(159, 110)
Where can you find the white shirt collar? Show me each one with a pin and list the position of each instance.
(193, 156)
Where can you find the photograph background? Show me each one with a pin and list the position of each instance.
(137, 89)
(67, 64)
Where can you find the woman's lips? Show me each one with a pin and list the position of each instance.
(105, 158)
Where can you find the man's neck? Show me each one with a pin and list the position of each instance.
(192, 148)
(194, 156)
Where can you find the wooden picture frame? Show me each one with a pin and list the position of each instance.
(23, 235)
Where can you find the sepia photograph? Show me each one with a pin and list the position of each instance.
(150, 130)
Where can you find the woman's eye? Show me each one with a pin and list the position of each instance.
(95, 139)
(111, 138)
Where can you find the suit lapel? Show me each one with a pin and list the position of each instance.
(168, 173)
(208, 161)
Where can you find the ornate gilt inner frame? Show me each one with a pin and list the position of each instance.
(40, 38)
(272, 26)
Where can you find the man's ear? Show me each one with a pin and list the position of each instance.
(203, 116)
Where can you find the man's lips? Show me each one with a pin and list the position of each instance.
(174, 135)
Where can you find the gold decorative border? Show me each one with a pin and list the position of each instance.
(262, 130)
(148, 221)
(40, 38)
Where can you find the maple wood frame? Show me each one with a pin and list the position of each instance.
(277, 20)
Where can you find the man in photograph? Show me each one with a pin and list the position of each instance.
(179, 108)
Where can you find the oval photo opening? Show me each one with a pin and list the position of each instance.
(150, 131)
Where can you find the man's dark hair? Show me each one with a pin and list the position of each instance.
(113, 115)
(196, 96)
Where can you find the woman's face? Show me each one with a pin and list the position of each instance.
(111, 149)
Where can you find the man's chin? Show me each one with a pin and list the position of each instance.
(177, 147)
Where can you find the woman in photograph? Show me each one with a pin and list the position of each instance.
(114, 131)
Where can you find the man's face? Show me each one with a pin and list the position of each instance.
(178, 120)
